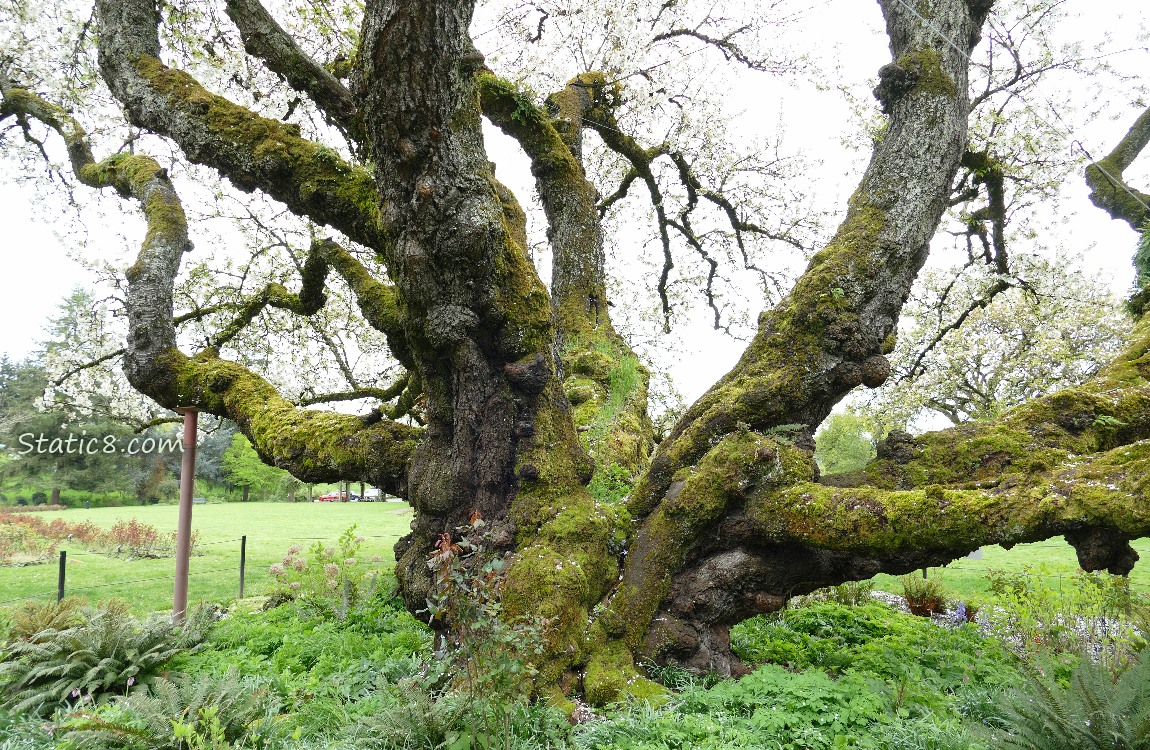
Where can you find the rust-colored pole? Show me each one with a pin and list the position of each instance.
(184, 527)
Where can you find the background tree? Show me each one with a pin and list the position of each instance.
(29, 428)
(244, 469)
(845, 442)
(499, 374)
(963, 357)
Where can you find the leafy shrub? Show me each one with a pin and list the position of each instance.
(925, 733)
(328, 672)
(331, 578)
(924, 596)
(1089, 612)
(1093, 711)
(852, 593)
(878, 641)
(770, 708)
(30, 538)
(107, 652)
(416, 716)
(22, 732)
(490, 653)
(21, 545)
(183, 712)
(39, 617)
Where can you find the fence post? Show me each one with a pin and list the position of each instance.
(60, 577)
(184, 524)
(924, 574)
(243, 561)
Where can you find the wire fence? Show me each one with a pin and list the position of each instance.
(62, 589)
(1055, 579)
(1028, 572)
(239, 569)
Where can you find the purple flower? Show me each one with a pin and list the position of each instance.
(131, 681)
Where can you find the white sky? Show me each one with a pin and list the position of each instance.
(36, 272)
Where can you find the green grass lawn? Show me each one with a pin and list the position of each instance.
(271, 528)
(1053, 561)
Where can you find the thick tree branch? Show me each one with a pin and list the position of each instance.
(1108, 191)
(578, 292)
(847, 303)
(760, 529)
(252, 151)
(266, 39)
(825, 338)
(314, 446)
(590, 347)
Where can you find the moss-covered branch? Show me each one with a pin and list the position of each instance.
(578, 292)
(605, 383)
(1109, 191)
(252, 151)
(829, 334)
(756, 527)
(696, 562)
(1109, 410)
(314, 446)
(266, 39)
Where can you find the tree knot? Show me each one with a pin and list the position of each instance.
(874, 371)
(894, 82)
(529, 374)
(898, 447)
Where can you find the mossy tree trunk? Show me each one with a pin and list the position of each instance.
(727, 519)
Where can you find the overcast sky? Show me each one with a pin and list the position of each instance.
(37, 272)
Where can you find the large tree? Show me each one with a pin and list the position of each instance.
(504, 374)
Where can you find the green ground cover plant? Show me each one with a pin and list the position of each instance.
(1095, 710)
(334, 663)
(69, 655)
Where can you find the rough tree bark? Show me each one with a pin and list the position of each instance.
(727, 518)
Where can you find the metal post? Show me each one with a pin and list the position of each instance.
(60, 577)
(924, 574)
(243, 561)
(184, 528)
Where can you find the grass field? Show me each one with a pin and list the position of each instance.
(271, 528)
(1053, 561)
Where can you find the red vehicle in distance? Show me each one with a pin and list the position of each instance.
(337, 497)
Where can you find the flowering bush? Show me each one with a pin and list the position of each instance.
(326, 574)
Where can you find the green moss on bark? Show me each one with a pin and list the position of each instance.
(313, 445)
(816, 319)
(260, 153)
(926, 64)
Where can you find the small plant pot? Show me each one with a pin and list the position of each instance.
(926, 609)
